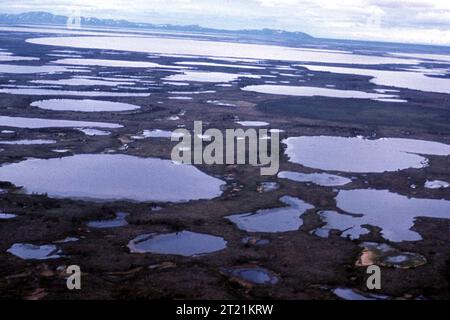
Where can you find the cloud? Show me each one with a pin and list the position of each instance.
(424, 21)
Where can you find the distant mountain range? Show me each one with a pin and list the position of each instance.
(45, 18)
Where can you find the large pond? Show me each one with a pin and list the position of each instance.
(83, 82)
(112, 177)
(362, 155)
(198, 76)
(394, 214)
(314, 91)
(5, 56)
(84, 105)
(36, 91)
(27, 142)
(414, 80)
(37, 123)
(114, 63)
(47, 69)
(218, 65)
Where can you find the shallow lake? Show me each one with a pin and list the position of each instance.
(22, 69)
(28, 142)
(82, 82)
(399, 79)
(112, 177)
(36, 123)
(361, 155)
(218, 65)
(33, 91)
(313, 92)
(198, 76)
(84, 105)
(216, 49)
(114, 63)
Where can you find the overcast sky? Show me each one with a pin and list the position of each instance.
(418, 21)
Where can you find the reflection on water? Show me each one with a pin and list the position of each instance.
(33, 91)
(83, 105)
(273, 220)
(361, 155)
(197, 76)
(254, 275)
(47, 69)
(4, 57)
(184, 243)
(437, 184)
(350, 226)
(252, 123)
(94, 132)
(114, 63)
(219, 65)
(314, 91)
(399, 79)
(393, 213)
(267, 187)
(321, 179)
(36, 123)
(7, 216)
(351, 294)
(391, 100)
(28, 251)
(119, 221)
(216, 49)
(28, 142)
(112, 177)
(221, 103)
(82, 82)
(156, 134)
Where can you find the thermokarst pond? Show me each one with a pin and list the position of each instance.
(321, 179)
(184, 243)
(393, 213)
(37, 123)
(273, 220)
(254, 275)
(82, 82)
(84, 105)
(314, 91)
(36, 91)
(112, 177)
(119, 221)
(7, 216)
(29, 251)
(198, 76)
(27, 142)
(362, 155)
